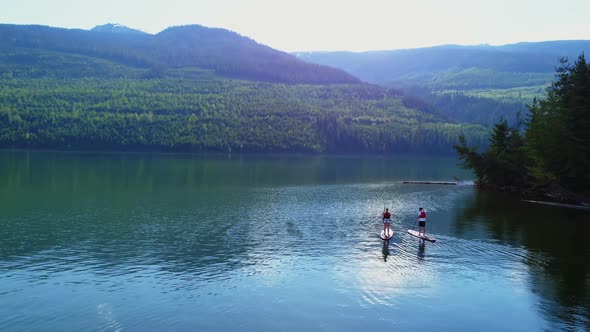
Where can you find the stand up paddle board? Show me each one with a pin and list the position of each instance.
(387, 236)
(418, 235)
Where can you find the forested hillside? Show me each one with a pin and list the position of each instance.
(480, 84)
(192, 113)
(225, 52)
(114, 90)
(455, 67)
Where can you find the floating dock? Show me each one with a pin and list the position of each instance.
(447, 183)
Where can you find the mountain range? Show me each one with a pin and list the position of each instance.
(193, 88)
(452, 66)
(198, 88)
(479, 84)
(222, 51)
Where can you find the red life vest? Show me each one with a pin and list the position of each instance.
(386, 215)
(422, 214)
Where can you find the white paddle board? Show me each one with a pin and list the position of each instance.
(420, 236)
(387, 236)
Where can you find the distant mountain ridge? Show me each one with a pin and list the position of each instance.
(117, 28)
(424, 66)
(225, 52)
(479, 84)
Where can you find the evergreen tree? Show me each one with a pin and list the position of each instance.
(504, 163)
(471, 159)
(555, 146)
(559, 127)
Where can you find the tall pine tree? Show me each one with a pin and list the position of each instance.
(559, 127)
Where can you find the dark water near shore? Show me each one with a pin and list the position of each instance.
(152, 242)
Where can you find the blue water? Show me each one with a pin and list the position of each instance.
(152, 242)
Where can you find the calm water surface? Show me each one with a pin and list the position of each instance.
(152, 242)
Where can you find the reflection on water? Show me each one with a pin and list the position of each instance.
(385, 250)
(182, 242)
(421, 249)
(558, 264)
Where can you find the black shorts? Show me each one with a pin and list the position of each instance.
(422, 224)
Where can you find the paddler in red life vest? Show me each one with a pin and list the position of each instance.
(422, 221)
(386, 222)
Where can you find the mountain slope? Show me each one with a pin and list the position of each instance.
(75, 89)
(223, 51)
(479, 84)
(522, 64)
(196, 111)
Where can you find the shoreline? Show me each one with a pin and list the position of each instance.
(549, 194)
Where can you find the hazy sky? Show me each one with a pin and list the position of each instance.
(305, 25)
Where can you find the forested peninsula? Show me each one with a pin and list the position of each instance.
(193, 88)
(547, 154)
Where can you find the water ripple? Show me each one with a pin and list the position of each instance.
(192, 258)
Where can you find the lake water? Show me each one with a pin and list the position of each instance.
(154, 242)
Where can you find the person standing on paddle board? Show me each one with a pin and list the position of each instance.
(422, 221)
(386, 222)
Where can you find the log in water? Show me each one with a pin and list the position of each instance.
(569, 206)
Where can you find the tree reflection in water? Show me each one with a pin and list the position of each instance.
(559, 269)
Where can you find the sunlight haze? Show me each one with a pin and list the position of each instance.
(328, 25)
